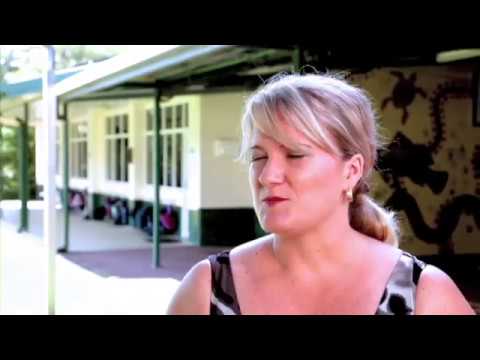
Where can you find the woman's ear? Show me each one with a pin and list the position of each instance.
(354, 170)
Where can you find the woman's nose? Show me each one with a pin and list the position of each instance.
(273, 172)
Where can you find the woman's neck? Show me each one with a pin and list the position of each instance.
(331, 245)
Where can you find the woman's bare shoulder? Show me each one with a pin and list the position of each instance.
(193, 295)
(252, 249)
(437, 294)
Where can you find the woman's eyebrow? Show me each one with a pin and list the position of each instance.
(306, 146)
(298, 147)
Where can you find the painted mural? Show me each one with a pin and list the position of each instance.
(429, 171)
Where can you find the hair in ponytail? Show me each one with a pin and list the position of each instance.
(369, 218)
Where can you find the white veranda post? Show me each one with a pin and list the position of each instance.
(49, 220)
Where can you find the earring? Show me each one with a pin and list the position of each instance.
(350, 195)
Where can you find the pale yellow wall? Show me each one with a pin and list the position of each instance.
(224, 181)
(458, 131)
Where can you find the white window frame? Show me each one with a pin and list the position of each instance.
(76, 140)
(111, 156)
(171, 132)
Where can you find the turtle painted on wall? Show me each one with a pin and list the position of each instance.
(404, 93)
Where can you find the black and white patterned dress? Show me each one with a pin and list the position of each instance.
(398, 297)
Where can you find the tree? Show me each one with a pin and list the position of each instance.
(7, 138)
(9, 164)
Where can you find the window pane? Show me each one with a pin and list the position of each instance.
(162, 119)
(118, 159)
(185, 118)
(82, 130)
(169, 160)
(84, 160)
(117, 124)
(163, 163)
(179, 160)
(125, 159)
(80, 159)
(125, 124)
(168, 118)
(178, 116)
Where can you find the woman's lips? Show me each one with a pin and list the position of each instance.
(273, 200)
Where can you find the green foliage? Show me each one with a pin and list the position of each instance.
(10, 166)
(9, 150)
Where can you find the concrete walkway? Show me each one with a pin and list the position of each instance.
(78, 290)
(85, 235)
(108, 270)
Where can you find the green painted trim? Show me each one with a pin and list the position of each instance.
(194, 227)
(22, 133)
(66, 174)
(156, 181)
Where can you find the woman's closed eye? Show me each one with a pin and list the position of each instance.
(295, 156)
(289, 156)
(257, 157)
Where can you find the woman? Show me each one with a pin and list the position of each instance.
(311, 143)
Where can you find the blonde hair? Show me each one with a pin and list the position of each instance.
(338, 117)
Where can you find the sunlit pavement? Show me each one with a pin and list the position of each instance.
(78, 291)
(85, 235)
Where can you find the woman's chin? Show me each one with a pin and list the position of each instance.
(275, 226)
